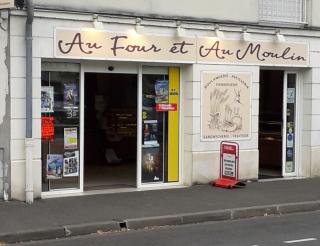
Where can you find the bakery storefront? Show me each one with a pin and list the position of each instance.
(116, 107)
(107, 125)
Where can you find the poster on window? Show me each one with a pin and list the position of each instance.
(161, 89)
(47, 99)
(225, 106)
(150, 131)
(291, 95)
(71, 164)
(70, 138)
(70, 96)
(47, 128)
(152, 166)
(54, 166)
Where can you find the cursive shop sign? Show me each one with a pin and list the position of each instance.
(92, 44)
(6, 4)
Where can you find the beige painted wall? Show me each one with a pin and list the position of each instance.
(313, 8)
(18, 111)
(201, 156)
(315, 161)
(4, 106)
(227, 10)
(244, 10)
(4, 89)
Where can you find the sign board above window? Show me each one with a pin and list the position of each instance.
(102, 45)
(6, 4)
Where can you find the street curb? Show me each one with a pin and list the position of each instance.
(167, 220)
(139, 223)
(200, 217)
(222, 215)
(257, 211)
(29, 235)
(298, 207)
(89, 228)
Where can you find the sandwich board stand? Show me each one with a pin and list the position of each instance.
(229, 166)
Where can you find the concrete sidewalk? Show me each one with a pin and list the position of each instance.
(60, 217)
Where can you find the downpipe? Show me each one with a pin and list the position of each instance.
(29, 139)
(4, 170)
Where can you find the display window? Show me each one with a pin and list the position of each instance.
(290, 145)
(60, 129)
(160, 126)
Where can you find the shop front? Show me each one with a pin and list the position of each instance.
(117, 123)
(121, 110)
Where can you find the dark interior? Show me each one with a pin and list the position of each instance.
(110, 143)
(270, 123)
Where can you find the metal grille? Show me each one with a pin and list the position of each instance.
(289, 11)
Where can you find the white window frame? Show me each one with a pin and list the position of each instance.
(297, 129)
(277, 13)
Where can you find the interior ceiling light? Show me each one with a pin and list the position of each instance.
(245, 35)
(280, 37)
(139, 27)
(218, 32)
(96, 23)
(181, 32)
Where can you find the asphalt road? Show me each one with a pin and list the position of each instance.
(298, 229)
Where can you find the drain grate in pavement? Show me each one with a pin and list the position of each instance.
(123, 225)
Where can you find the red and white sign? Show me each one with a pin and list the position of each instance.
(164, 107)
(47, 128)
(229, 166)
(229, 161)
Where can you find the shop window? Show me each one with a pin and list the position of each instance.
(286, 11)
(160, 126)
(60, 113)
(290, 145)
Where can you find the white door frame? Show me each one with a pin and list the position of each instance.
(141, 185)
(103, 67)
(139, 128)
(297, 126)
(133, 68)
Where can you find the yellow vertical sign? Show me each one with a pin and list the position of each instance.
(173, 125)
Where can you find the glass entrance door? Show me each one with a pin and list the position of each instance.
(289, 125)
(160, 125)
